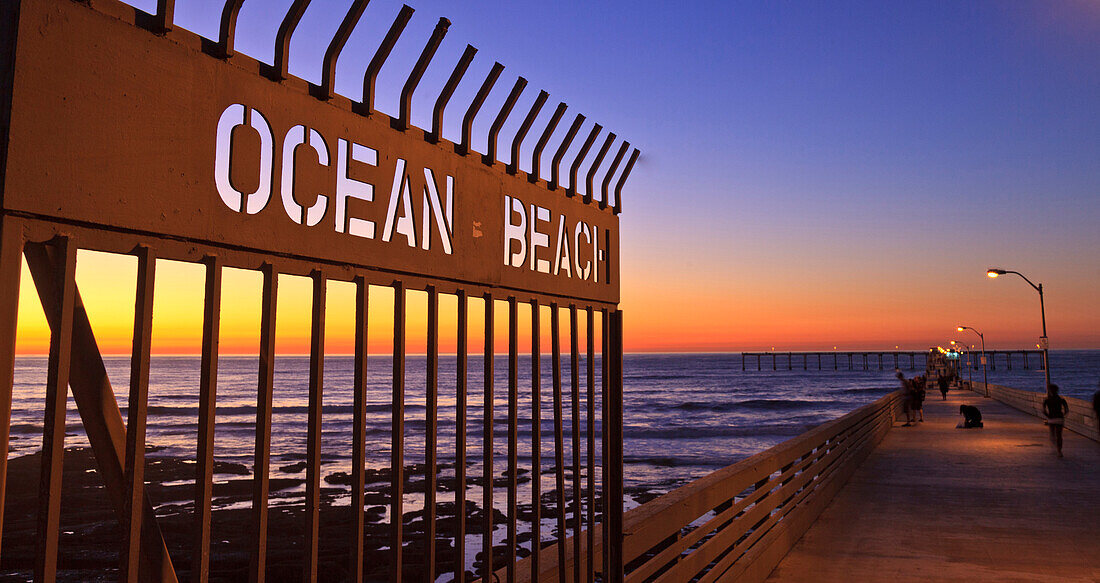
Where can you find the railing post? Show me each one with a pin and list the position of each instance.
(613, 433)
(11, 258)
(53, 422)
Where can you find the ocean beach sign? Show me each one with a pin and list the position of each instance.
(114, 127)
(122, 133)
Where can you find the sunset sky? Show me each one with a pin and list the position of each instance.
(812, 174)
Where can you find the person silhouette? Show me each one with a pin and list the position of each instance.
(972, 417)
(1055, 408)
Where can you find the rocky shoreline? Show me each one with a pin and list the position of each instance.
(90, 533)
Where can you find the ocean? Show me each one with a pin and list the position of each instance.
(684, 414)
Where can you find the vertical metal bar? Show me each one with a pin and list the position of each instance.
(618, 208)
(611, 173)
(536, 154)
(590, 361)
(576, 166)
(228, 30)
(359, 428)
(487, 444)
(513, 415)
(591, 176)
(397, 447)
(448, 90)
(524, 127)
(460, 441)
(313, 428)
(380, 56)
(613, 490)
(136, 409)
(281, 63)
(555, 164)
(575, 424)
(165, 14)
(405, 111)
(505, 110)
(262, 459)
(53, 422)
(605, 444)
(559, 439)
(536, 440)
(11, 255)
(431, 432)
(332, 54)
(475, 106)
(208, 385)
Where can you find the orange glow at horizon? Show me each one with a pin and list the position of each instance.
(722, 316)
(107, 286)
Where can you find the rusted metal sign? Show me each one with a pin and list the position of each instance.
(121, 133)
(117, 127)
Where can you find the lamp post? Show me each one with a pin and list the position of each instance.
(993, 273)
(969, 368)
(985, 375)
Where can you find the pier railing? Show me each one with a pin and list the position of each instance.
(738, 522)
(1080, 419)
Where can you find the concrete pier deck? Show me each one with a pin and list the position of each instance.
(936, 503)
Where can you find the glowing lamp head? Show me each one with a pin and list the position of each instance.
(961, 328)
(995, 272)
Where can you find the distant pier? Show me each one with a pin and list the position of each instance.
(882, 359)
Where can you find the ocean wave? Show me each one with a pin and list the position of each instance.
(751, 404)
(696, 432)
(865, 390)
(193, 411)
(659, 461)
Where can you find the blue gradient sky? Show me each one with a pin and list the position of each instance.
(813, 174)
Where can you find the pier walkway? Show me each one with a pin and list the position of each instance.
(936, 503)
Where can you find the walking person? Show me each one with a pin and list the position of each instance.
(1055, 408)
(919, 393)
(944, 381)
(906, 398)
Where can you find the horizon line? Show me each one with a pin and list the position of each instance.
(580, 353)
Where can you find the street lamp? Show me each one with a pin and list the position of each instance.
(985, 375)
(993, 273)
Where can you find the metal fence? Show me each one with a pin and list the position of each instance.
(118, 71)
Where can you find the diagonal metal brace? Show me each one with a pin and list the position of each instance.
(99, 412)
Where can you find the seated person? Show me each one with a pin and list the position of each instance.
(972, 417)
